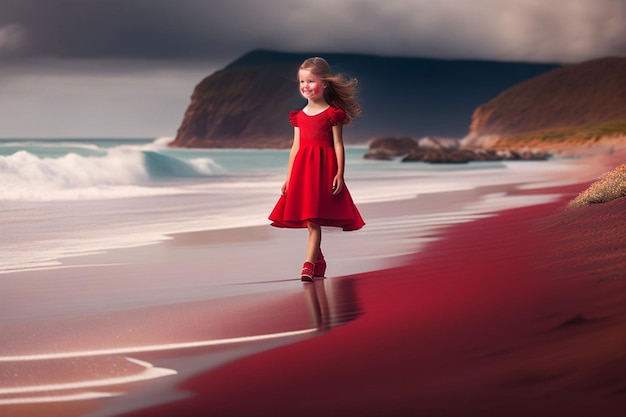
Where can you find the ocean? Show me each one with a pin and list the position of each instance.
(63, 198)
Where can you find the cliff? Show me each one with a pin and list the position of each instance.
(246, 103)
(571, 105)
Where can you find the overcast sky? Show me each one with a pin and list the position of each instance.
(126, 68)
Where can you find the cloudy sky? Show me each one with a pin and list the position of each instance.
(126, 68)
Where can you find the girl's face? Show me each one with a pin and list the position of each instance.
(311, 86)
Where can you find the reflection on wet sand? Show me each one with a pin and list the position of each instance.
(332, 302)
(94, 370)
(318, 303)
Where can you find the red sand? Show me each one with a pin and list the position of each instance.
(523, 314)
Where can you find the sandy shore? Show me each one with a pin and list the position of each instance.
(502, 318)
(519, 314)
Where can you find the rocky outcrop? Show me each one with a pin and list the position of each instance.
(437, 150)
(464, 155)
(438, 143)
(243, 105)
(246, 103)
(390, 147)
(573, 104)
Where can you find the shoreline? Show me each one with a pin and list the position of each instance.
(447, 336)
(355, 318)
(468, 353)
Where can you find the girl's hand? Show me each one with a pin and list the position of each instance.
(283, 189)
(337, 184)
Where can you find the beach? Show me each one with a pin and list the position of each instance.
(490, 300)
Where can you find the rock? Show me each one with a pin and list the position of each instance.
(463, 155)
(438, 143)
(441, 151)
(566, 106)
(241, 106)
(246, 104)
(440, 156)
(390, 147)
(524, 154)
(378, 155)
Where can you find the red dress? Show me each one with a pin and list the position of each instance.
(310, 196)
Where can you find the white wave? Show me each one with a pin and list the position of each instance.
(122, 172)
(156, 145)
(28, 177)
(162, 142)
(51, 145)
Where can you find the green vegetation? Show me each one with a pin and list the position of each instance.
(590, 133)
(610, 186)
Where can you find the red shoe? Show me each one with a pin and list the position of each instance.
(307, 271)
(320, 265)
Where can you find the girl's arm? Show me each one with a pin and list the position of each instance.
(341, 158)
(295, 146)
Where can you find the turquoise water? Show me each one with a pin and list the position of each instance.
(67, 169)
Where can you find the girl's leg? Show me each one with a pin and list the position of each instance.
(315, 238)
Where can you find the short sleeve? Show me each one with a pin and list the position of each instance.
(336, 116)
(293, 117)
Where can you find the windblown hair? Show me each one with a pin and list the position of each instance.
(340, 90)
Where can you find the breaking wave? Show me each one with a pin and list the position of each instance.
(122, 171)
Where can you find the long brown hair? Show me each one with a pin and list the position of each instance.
(340, 90)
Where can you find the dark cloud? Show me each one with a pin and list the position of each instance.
(533, 30)
(112, 28)
(119, 68)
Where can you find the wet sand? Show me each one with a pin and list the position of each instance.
(503, 317)
(519, 314)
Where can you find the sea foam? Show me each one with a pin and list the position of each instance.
(118, 172)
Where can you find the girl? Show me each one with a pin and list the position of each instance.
(314, 193)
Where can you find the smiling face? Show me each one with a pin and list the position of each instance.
(311, 85)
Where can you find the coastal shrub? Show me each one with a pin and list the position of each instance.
(610, 186)
(590, 133)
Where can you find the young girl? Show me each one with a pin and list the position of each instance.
(314, 193)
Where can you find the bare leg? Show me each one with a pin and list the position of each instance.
(315, 239)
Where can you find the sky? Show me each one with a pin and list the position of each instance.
(127, 68)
